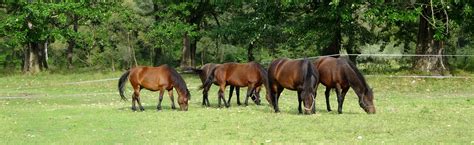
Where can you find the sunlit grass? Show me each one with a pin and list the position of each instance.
(59, 108)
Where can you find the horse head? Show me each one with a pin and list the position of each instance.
(183, 99)
(367, 102)
(308, 101)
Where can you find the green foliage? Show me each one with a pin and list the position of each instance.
(111, 34)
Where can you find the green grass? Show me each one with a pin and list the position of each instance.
(49, 109)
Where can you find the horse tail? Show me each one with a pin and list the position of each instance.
(264, 74)
(266, 82)
(121, 84)
(270, 77)
(209, 79)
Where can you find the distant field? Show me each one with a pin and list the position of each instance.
(86, 109)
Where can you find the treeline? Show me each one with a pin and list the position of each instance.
(42, 35)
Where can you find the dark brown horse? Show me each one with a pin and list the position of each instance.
(251, 75)
(204, 72)
(159, 78)
(297, 75)
(341, 74)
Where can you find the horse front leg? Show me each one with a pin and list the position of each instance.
(256, 94)
(327, 93)
(237, 93)
(249, 92)
(343, 96)
(230, 94)
(221, 96)
(300, 110)
(158, 107)
(170, 93)
(339, 99)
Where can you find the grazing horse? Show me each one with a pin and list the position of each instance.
(251, 75)
(155, 79)
(204, 73)
(297, 75)
(341, 74)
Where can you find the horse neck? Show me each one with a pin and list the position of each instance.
(356, 81)
(179, 84)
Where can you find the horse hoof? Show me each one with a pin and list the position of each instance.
(329, 110)
(158, 108)
(133, 109)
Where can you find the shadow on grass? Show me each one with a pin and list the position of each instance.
(149, 107)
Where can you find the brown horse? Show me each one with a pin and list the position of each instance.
(155, 79)
(251, 75)
(204, 72)
(341, 74)
(298, 75)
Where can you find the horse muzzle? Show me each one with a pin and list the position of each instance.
(370, 109)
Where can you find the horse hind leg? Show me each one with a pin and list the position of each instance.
(170, 93)
(134, 98)
(158, 107)
(137, 99)
(221, 96)
(327, 93)
(205, 98)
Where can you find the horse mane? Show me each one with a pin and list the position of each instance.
(178, 82)
(308, 71)
(359, 75)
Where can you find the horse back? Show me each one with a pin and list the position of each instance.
(238, 74)
(331, 71)
(151, 78)
(286, 73)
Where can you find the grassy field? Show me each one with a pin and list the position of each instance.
(73, 108)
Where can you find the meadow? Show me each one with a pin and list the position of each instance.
(85, 108)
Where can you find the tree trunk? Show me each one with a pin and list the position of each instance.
(186, 60)
(158, 55)
(132, 59)
(71, 44)
(427, 45)
(250, 56)
(351, 49)
(335, 46)
(193, 47)
(44, 55)
(32, 58)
